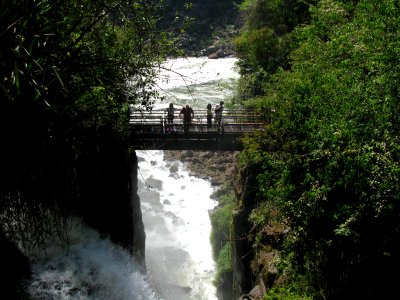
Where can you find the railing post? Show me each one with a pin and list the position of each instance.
(162, 124)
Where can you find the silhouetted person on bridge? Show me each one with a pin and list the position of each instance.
(188, 114)
(169, 128)
(170, 113)
(209, 117)
(218, 115)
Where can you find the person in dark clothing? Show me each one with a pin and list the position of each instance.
(209, 117)
(188, 114)
(218, 115)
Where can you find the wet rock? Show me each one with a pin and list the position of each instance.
(187, 154)
(154, 183)
(196, 161)
(152, 197)
(186, 289)
(213, 56)
(206, 155)
(174, 175)
(221, 168)
(174, 168)
(215, 182)
(221, 53)
(215, 166)
(256, 293)
(209, 50)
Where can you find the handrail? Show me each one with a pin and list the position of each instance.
(234, 122)
(241, 116)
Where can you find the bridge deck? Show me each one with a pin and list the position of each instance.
(150, 130)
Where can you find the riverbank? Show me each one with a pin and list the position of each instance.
(216, 166)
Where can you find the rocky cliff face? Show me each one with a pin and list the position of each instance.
(216, 166)
(221, 169)
(117, 213)
(108, 196)
(14, 269)
(242, 249)
(139, 235)
(253, 271)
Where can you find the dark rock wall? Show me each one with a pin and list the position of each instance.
(139, 236)
(105, 187)
(14, 268)
(111, 204)
(224, 288)
(242, 250)
(221, 169)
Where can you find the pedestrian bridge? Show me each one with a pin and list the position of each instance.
(149, 130)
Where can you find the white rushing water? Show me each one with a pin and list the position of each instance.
(197, 81)
(175, 205)
(175, 212)
(92, 268)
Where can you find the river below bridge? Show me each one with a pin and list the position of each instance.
(175, 205)
(175, 212)
(197, 81)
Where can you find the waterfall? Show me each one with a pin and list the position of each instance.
(175, 210)
(175, 213)
(176, 206)
(91, 268)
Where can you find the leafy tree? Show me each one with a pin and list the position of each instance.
(331, 154)
(203, 18)
(69, 71)
(265, 40)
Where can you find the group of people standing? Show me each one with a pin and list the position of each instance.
(188, 114)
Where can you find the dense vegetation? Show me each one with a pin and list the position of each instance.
(206, 21)
(325, 73)
(221, 222)
(69, 70)
(326, 76)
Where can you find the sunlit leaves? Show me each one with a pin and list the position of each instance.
(69, 70)
(331, 154)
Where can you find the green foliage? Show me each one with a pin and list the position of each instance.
(203, 21)
(69, 71)
(331, 153)
(221, 222)
(224, 262)
(284, 294)
(220, 238)
(265, 42)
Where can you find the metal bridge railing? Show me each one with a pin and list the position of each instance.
(155, 122)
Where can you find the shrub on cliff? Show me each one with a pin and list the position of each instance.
(331, 154)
